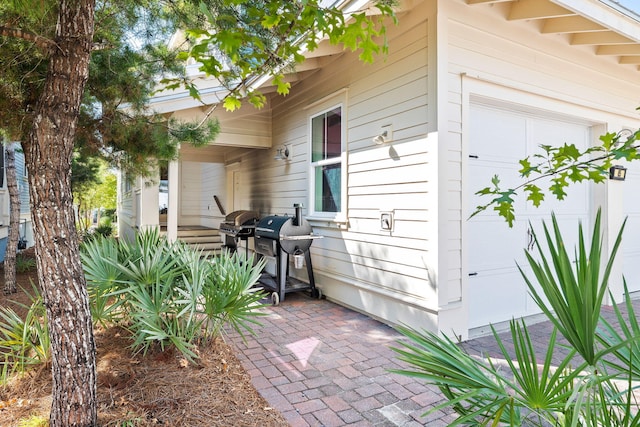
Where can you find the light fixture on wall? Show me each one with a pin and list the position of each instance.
(385, 135)
(282, 153)
(617, 173)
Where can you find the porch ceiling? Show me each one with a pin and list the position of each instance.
(588, 23)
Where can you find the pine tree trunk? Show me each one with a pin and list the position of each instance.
(48, 150)
(14, 220)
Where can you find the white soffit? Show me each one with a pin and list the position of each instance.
(612, 27)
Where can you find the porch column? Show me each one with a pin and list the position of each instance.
(174, 197)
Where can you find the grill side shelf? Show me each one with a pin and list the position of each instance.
(303, 237)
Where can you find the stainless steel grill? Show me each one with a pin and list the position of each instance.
(238, 225)
(281, 236)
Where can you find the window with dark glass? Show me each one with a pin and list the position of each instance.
(326, 160)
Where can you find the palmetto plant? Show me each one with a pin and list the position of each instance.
(24, 342)
(591, 382)
(167, 294)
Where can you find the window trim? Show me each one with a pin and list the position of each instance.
(319, 108)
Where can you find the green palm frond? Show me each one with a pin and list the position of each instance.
(573, 296)
(474, 390)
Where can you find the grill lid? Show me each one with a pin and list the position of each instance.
(292, 238)
(270, 226)
(241, 217)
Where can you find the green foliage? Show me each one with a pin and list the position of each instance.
(129, 56)
(243, 40)
(573, 292)
(100, 260)
(167, 294)
(105, 229)
(24, 264)
(24, 342)
(564, 165)
(592, 384)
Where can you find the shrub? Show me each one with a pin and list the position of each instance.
(592, 385)
(105, 229)
(24, 342)
(166, 293)
(24, 264)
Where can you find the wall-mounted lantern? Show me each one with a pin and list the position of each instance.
(617, 173)
(385, 135)
(282, 153)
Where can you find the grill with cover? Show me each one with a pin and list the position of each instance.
(281, 236)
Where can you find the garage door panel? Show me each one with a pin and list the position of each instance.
(554, 133)
(493, 294)
(496, 253)
(631, 238)
(632, 274)
(496, 290)
(501, 136)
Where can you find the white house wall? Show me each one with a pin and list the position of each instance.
(418, 273)
(199, 183)
(385, 274)
(513, 64)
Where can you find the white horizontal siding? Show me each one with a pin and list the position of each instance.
(393, 90)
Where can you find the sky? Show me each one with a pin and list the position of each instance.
(632, 6)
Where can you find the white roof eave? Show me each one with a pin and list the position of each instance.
(604, 15)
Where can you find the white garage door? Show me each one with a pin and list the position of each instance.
(498, 139)
(630, 241)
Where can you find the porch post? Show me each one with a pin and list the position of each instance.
(174, 197)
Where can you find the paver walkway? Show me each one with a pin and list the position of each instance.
(321, 364)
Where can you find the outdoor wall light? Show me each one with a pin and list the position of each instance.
(282, 153)
(385, 135)
(380, 139)
(617, 173)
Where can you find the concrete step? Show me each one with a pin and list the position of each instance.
(201, 239)
(200, 232)
(207, 240)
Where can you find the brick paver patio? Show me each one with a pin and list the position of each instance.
(321, 364)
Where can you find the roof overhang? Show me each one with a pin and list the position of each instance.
(611, 31)
(212, 92)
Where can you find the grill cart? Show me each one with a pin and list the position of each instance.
(281, 236)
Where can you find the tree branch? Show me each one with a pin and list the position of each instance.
(46, 44)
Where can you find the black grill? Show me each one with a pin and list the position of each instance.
(281, 236)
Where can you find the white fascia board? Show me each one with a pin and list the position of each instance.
(178, 101)
(605, 15)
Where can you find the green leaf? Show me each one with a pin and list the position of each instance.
(257, 99)
(271, 20)
(506, 210)
(231, 103)
(282, 86)
(193, 91)
(484, 191)
(536, 196)
(570, 151)
(558, 185)
(607, 140)
(576, 175)
(526, 169)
